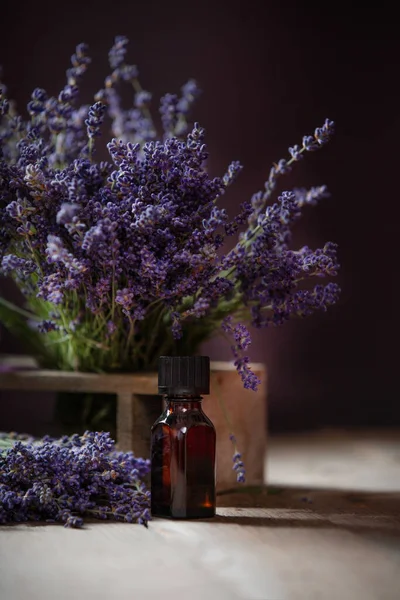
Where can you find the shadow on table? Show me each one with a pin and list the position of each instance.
(262, 506)
(305, 507)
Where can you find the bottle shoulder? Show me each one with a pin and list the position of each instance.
(183, 419)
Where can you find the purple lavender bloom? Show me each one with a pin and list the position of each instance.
(11, 263)
(116, 56)
(39, 95)
(73, 521)
(38, 103)
(67, 213)
(35, 177)
(94, 237)
(95, 119)
(80, 62)
(72, 478)
(134, 243)
(56, 252)
(242, 337)
(169, 113)
(124, 298)
(233, 171)
(238, 464)
(47, 325)
(4, 104)
(310, 143)
(311, 196)
(142, 99)
(282, 167)
(68, 94)
(128, 73)
(295, 152)
(176, 327)
(323, 134)
(249, 379)
(201, 307)
(190, 91)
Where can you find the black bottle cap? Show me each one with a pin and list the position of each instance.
(184, 375)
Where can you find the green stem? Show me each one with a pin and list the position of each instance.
(130, 335)
(113, 289)
(19, 310)
(90, 148)
(153, 335)
(37, 261)
(59, 340)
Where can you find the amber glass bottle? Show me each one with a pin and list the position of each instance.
(183, 442)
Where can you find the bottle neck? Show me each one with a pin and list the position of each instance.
(182, 403)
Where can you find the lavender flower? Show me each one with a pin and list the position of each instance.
(311, 196)
(238, 464)
(95, 119)
(4, 104)
(67, 213)
(242, 338)
(116, 56)
(124, 298)
(142, 99)
(233, 171)
(57, 253)
(169, 113)
(11, 263)
(131, 250)
(38, 103)
(295, 152)
(80, 62)
(190, 91)
(46, 326)
(70, 479)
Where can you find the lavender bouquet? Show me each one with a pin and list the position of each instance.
(122, 260)
(68, 479)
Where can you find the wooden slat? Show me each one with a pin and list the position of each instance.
(146, 409)
(124, 421)
(71, 381)
(65, 381)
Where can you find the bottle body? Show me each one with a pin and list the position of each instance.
(183, 461)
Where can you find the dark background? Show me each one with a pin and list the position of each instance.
(270, 73)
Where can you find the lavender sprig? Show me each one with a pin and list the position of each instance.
(93, 123)
(322, 135)
(238, 464)
(71, 479)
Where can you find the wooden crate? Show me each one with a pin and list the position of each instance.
(138, 406)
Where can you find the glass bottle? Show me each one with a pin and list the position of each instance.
(183, 442)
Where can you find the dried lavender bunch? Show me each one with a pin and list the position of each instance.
(122, 261)
(72, 478)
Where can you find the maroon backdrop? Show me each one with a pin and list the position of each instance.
(271, 73)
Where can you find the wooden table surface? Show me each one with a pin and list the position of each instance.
(305, 541)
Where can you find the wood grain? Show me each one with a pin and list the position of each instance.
(228, 558)
(70, 381)
(135, 416)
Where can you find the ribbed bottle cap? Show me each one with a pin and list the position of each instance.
(184, 375)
